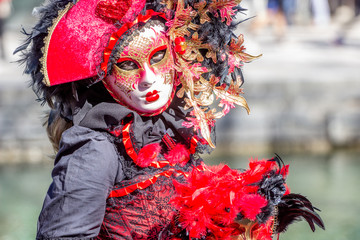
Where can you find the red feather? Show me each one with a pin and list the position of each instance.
(179, 154)
(251, 205)
(211, 200)
(148, 154)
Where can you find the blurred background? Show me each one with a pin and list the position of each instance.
(304, 95)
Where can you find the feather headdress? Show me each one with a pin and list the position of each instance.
(209, 57)
(72, 42)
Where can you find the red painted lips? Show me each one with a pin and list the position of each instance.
(152, 96)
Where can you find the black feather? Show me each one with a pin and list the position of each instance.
(295, 207)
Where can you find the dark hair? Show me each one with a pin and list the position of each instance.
(60, 117)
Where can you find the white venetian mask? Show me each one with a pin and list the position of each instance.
(143, 78)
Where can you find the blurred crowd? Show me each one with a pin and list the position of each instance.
(280, 14)
(5, 11)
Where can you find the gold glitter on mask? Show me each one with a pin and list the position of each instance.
(140, 52)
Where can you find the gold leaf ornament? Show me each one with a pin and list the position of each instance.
(201, 93)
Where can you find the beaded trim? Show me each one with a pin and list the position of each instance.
(275, 220)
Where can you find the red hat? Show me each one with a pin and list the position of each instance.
(76, 41)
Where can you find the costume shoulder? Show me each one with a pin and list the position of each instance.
(86, 168)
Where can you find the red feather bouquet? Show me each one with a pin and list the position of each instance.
(212, 203)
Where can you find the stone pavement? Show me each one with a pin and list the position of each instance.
(304, 95)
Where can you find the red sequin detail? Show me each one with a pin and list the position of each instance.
(112, 11)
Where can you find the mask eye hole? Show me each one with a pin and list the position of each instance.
(127, 64)
(157, 56)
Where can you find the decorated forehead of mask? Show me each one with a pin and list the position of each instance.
(144, 43)
(148, 46)
(123, 36)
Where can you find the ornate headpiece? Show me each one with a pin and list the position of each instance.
(75, 42)
(208, 56)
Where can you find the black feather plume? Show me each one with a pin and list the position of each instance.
(295, 207)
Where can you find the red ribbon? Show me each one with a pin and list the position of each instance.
(141, 185)
(127, 142)
(144, 184)
(156, 164)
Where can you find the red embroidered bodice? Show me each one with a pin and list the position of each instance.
(141, 214)
(139, 206)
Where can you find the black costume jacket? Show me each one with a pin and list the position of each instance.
(98, 190)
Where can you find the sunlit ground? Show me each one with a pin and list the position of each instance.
(331, 182)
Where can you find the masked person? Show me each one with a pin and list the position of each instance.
(131, 86)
